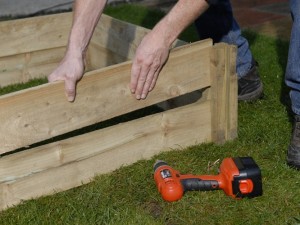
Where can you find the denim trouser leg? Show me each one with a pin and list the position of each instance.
(219, 24)
(292, 75)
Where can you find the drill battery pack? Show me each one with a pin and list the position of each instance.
(248, 182)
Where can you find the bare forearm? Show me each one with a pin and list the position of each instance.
(71, 68)
(182, 15)
(86, 17)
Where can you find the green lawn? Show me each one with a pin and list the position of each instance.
(129, 195)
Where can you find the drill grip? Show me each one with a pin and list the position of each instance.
(196, 184)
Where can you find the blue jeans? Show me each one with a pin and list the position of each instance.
(292, 73)
(219, 24)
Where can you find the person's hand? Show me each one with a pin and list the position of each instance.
(149, 59)
(70, 70)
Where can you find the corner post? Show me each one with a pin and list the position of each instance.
(223, 93)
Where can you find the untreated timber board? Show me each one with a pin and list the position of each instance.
(102, 94)
(69, 163)
(223, 93)
(31, 34)
(42, 41)
(121, 37)
(23, 67)
(99, 57)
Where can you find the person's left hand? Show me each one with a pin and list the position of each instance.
(149, 59)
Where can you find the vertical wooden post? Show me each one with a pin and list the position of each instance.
(223, 93)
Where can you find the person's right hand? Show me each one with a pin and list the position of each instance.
(70, 70)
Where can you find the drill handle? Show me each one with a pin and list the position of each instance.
(197, 184)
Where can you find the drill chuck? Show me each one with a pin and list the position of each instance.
(159, 163)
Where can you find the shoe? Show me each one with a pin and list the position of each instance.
(293, 155)
(250, 87)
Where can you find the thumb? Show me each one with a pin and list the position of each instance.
(70, 89)
(53, 77)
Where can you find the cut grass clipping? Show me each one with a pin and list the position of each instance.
(129, 195)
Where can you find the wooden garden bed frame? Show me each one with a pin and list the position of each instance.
(32, 47)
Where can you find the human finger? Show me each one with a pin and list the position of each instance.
(70, 89)
(152, 75)
(135, 72)
(141, 81)
(155, 77)
(54, 76)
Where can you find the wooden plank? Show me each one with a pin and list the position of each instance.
(34, 34)
(30, 44)
(23, 67)
(217, 68)
(190, 97)
(100, 57)
(25, 38)
(223, 93)
(102, 94)
(72, 162)
(120, 37)
(232, 106)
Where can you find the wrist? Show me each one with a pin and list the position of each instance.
(75, 56)
(75, 52)
(164, 34)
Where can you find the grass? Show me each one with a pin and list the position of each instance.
(129, 196)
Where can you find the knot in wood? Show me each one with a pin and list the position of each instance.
(174, 91)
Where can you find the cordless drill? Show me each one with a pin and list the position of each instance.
(238, 177)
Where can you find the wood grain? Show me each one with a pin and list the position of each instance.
(42, 112)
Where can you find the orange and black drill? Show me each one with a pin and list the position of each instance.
(238, 177)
